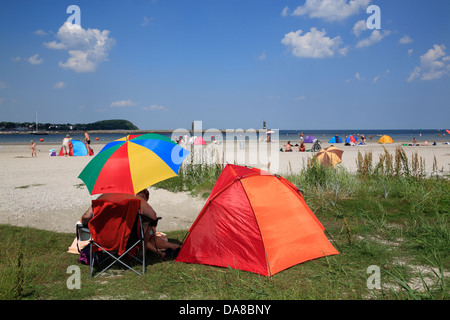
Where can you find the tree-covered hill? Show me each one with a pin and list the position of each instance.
(118, 124)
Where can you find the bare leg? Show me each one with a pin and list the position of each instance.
(158, 245)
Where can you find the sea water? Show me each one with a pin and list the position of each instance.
(431, 135)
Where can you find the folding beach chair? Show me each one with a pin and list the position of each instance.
(117, 232)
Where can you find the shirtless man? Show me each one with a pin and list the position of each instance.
(86, 138)
(288, 147)
(152, 243)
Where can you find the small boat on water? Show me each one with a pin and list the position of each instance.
(37, 132)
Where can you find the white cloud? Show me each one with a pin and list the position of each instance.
(357, 77)
(59, 85)
(378, 77)
(331, 10)
(154, 107)
(410, 52)
(3, 85)
(123, 103)
(285, 12)
(405, 40)
(375, 37)
(86, 48)
(313, 44)
(433, 65)
(359, 27)
(262, 56)
(300, 98)
(40, 32)
(35, 59)
(146, 21)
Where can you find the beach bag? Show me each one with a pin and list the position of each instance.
(83, 236)
(84, 256)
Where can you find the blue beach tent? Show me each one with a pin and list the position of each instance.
(78, 148)
(335, 139)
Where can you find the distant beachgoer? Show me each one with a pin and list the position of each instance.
(86, 138)
(33, 149)
(65, 144)
(301, 137)
(346, 143)
(363, 139)
(302, 148)
(288, 147)
(414, 142)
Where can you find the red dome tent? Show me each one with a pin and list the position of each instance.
(257, 222)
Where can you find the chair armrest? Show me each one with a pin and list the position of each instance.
(152, 222)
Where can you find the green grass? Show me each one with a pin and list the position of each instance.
(396, 221)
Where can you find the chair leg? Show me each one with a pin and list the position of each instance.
(143, 257)
(91, 260)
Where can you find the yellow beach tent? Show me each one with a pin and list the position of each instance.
(385, 139)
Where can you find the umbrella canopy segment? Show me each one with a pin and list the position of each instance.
(133, 163)
(330, 156)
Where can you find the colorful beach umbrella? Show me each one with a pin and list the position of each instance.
(330, 156)
(133, 163)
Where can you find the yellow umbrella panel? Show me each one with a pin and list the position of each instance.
(329, 156)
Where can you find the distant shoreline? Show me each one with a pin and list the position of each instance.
(104, 131)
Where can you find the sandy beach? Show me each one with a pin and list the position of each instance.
(45, 192)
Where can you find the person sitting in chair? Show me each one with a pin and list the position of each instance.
(152, 242)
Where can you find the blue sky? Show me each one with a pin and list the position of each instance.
(309, 64)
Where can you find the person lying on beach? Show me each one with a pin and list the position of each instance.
(33, 149)
(153, 243)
